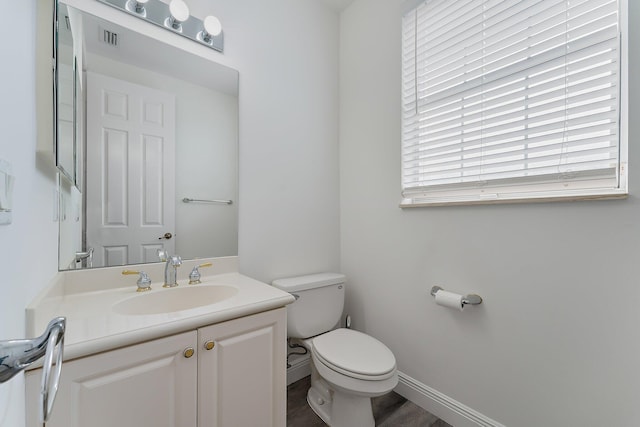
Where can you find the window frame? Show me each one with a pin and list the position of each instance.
(523, 192)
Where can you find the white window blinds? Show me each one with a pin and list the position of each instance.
(510, 99)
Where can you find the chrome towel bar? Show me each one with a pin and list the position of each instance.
(223, 202)
(470, 299)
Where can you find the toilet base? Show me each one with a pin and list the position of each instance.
(343, 410)
(320, 405)
(337, 408)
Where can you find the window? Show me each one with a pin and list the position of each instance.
(512, 100)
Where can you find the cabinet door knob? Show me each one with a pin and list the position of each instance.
(188, 352)
(209, 345)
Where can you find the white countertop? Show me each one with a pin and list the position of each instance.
(92, 325)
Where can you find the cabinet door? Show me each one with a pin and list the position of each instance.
(149, 384)
(242, 379)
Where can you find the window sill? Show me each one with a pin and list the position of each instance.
(492, 199)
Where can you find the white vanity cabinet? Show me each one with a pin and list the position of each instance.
(148, 384)
(235, 376)
(242, 379)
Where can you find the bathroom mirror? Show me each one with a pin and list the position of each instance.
(157, 149)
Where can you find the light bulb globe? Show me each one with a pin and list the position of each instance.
(212, 26)
(179, 10)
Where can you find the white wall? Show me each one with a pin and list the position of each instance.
(286, 52)
(28, 246)
(556, 340)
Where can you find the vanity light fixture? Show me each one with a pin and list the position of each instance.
(175, 17)
(212, 28)
(136, 6)
(179, 13)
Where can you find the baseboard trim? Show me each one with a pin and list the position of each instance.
(299, 369)
(441, 405)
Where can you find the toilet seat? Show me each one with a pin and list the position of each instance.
(354, 354)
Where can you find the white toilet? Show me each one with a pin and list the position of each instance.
(348, 367)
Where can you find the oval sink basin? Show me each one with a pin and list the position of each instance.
(177, 299)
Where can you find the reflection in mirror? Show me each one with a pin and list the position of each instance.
(65, 71)
(159, 125)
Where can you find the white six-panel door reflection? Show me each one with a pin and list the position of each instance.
(131, 142)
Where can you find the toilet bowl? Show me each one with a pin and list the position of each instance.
(348, 367)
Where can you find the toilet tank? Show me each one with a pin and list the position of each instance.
(318, 305)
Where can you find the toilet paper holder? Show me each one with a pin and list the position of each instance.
(470, 299)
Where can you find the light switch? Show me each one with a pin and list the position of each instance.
(6, 192)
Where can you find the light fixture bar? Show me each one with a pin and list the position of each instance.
(158, 13)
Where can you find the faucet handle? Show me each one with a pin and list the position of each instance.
(163, 255)
(144, 281)
(194, 276)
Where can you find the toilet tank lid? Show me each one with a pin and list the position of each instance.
(310, 281)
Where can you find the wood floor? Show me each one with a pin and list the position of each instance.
(390, 410)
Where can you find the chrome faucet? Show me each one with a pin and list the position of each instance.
(170, 268)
